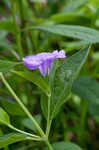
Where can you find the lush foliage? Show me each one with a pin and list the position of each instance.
(61, 110)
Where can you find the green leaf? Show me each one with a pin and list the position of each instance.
(65, 146)
(88, 89)
(83, 33)
(61, 79)
(4, 118)
(70, 18)
(34, 78)
(12, 107)
(29, 124)
(11, 138)
(5, 66)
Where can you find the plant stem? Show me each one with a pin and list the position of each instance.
(29, 115)
(22, 106)
(84, 112)
(81, 135)
(17, 33)
(49, 145)
(48, 119)
(36, 138)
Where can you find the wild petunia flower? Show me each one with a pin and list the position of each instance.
(42, 60)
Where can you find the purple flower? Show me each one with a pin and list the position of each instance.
(42, 60)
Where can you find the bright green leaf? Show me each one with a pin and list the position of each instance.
(70, 18)
(4, 118)
(11, 138)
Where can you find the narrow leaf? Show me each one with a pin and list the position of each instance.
(10, 139)
(4, 118)
(70, 18)
(79, 32)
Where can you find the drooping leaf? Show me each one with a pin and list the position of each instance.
(65, 146)
(4, 118)
(5, 66)
(83, 33)
(61, 79)
(11, 138)
(34, 78)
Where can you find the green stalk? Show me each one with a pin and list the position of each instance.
(49, 145)
(33, 136)
(48, 118)
(82, 121)
(17, 29)
(22, 106)
(84, 113)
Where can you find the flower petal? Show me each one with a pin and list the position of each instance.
(32, 62)
(43, 60)
(61, 54)
(43, 69)
(49, 65)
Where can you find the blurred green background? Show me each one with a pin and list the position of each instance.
(78, 120)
